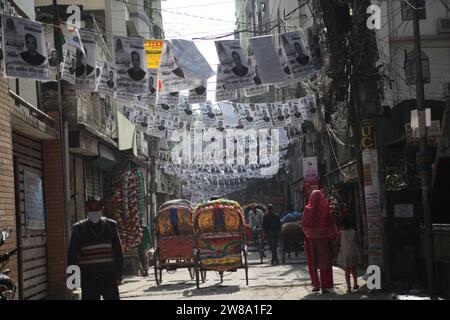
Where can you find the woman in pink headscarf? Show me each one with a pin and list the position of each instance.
(319, 228)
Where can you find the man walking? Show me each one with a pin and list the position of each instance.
(143, 248)
(272, 227)
(96, 248)
(256, 222)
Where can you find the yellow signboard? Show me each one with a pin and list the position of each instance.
(153, 50)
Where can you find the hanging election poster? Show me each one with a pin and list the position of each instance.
(98, 73)
(69, 65)
(24, 49)
(86, 61)
(279, 115)
(220, 123)
(297, 55)
(256, 88)
(53, 59)
(267, 58)
(131, 68)
(159, 126)
(130, 113)
(221, 93)
(165, 110)
(284, 67)
(172, 98)
(315, 47)
(182, 66)
(237, 73)
(198, 95)
(228, 114)
(308, 108)
(296, 115)
(247, 115)
(185, 109)
(108, 84)
(208, 114)
(263, 119)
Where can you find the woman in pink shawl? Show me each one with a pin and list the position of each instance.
(319, 228)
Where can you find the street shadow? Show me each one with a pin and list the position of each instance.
(174, 286)
(215, 289)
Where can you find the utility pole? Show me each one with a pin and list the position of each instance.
(423, 164)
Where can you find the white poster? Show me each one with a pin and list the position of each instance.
(308, 107)
(246, 115)
(171, 98)
(108, 83)
(69, 65)
(208, 114)
(281, 114)
(284, 67)
(297, 55)
(228, 113)
(296, 115)
(131, 65)
(185, 109)
(310, 171)
(159, 126)
(98, 73)
(86, 62)
(198, 95)
(223, 94)
(24, 49)
(236, 71)
(130, 113)
(53, 59)
(257, 87)
(166, 110)
(267, 58)
(263, 119)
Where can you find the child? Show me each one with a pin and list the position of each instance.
(349, 257)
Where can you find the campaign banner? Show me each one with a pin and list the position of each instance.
(153, 51)
(198, 95)
(296, 115)
(267, 58)
(159, 126)
(108, 83)
(185, 109)
(246, 116)
(263, 119)
(308, 108)
(168, 98)
(131, 66)
(236, 71)
(24, 49)
(86, 62)
(281, 115)
(69, 65)
(223, 94)
(208, 114)
(310, 170)
(257, 88)
(297, 54)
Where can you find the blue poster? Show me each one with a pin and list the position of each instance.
(34, 201)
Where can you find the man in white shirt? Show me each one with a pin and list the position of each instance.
(256, 222)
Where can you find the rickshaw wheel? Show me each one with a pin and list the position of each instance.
(192, 272)
(157, 267)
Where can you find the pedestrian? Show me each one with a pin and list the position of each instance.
(256, 223)
(143, 248)
(272, 227)
(96, 248)
(320, 229)
(349, 256)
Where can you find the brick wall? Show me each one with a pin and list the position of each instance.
(54, 203)
(7, 198)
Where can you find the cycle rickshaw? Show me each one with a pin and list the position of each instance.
(259, 243)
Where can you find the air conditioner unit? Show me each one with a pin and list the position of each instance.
(447, 89)
(444, 25)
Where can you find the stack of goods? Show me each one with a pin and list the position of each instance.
(219, 215)
(291, 217)
(124, 206)
(338, 205)
(175, 218)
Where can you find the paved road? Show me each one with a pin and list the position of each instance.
(283, 282)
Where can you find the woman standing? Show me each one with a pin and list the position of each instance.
(319, 228)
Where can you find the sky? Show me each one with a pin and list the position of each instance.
(213, 17)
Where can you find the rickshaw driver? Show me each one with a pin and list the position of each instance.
(256, 223)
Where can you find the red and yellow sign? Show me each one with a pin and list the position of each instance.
(153, 51)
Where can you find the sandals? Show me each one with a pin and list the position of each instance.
(315, 289)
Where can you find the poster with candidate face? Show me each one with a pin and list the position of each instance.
(198, 95)
(236, 71)
(131, 67)
(185, 109)
(24, 49)
(108, 83)
(296, 115)
(257, 87)
(280, 114)
(69, 65)
(247, 115)
(308, 107)
(208, 114)
(159, 126)
(85, 63)
(263, 119)
(171, 98)
(152, 85)
(285, 67)
(130, 113)
(297, 54)
(223, 94)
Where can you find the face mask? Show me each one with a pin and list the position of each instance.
(94, 216)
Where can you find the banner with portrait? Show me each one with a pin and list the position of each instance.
(69, 65)
(268, 60)
(185, 109)
(257, 87)
(280, 114)
(308, 107)
(263, 119)
(24, 49)
(108, 83)
(208, 114)
(131, 65)
(198, 95)
(223, 94)
(296, 115)
(297, 54)
(285, 67)
(171, 98)
(159, 126)
(236, 71)
(246, 116)
(86, 62)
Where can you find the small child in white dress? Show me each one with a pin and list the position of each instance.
(349, 257)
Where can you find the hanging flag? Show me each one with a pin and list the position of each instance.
(86, 61)
(257, 87)
(315, 47)
(267, 58)
(198, 95)
(297, 54)
(24, 49)
(221, 93)
(234, 63)
(131, 65)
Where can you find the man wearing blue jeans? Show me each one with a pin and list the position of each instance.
(272, 227)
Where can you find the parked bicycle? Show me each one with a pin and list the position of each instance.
(7, 286)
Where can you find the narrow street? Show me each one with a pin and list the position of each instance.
(282, 282)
